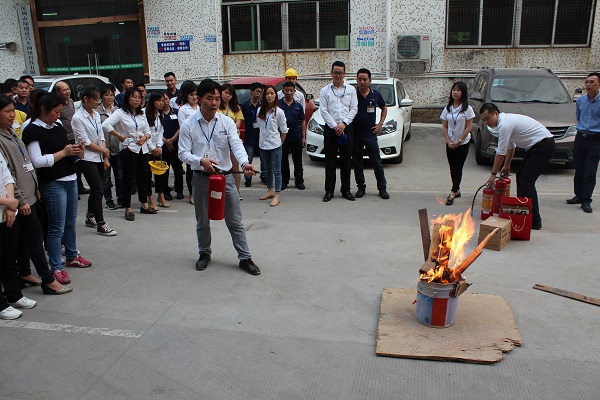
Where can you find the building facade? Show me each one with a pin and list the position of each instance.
(436, 41)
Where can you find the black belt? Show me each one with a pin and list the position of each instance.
(202, 173)
(589, 135)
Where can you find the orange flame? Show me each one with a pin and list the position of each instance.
(454, 231)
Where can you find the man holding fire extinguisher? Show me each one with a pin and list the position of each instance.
(205, 140)
(516, 130)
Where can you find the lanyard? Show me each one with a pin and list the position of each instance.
(208, 139)
(269, 116)
(19, 146)
(134, 121)
(336, 95)
(94, 125)
(455, 119)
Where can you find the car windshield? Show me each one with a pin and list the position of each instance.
(42, 85)
(386, 90)
(243, 94)
(528, 89)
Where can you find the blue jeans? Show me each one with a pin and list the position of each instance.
(60, 198)
(271, 159)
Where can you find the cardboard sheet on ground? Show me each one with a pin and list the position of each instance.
(484, 330)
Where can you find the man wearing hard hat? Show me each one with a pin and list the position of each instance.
(291, 75)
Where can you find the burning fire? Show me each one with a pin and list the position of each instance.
(450, 234)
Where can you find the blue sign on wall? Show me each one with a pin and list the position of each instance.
(171, 47)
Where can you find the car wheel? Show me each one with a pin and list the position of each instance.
(479, 158)
(409, 133)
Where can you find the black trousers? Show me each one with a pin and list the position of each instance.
(135, 166)
(369, 142)
(456, 161)
(9, 269)
(586, 155)
(332, 147)
(31, 246)
(159, 180)
(93, 173)
(296, 149)
(534, 162)
(172, 158)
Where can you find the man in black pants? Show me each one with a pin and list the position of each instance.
(295, 140)
(338, 106)
(516, 130)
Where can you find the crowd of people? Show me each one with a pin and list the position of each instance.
(46, 145)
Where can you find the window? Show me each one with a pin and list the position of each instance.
(285, 26)
(514, 23)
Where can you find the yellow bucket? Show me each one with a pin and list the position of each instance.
(158, 167)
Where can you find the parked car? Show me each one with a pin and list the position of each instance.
(535, 92)
(76, 82)
(396, 127)
(242, 89)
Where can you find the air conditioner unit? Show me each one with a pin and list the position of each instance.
(413, 47)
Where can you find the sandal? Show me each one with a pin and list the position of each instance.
(191, 199)
(457, 195)
(129, 216)
(148, 210)
(449, 200)
(164, 205)
(275, 202)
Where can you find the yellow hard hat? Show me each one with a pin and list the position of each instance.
(290, 72)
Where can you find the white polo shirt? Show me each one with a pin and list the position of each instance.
(516, 130)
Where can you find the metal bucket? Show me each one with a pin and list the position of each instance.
(436, 303)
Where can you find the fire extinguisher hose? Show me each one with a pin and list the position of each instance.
(475, 196)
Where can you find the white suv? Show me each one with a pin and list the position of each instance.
(76, 82)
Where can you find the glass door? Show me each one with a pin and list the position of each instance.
(113, 50)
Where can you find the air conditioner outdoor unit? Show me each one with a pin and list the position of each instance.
(413, 47)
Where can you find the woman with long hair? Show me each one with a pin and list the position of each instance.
(230, 107)
(273, 128)
(457, 121)
(106, 108)
(170, 149)
(156, 122)
(188, 100)
(54, 159)
(87, 128)
(129, 125)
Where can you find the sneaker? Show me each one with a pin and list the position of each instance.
(24, 302)
(78, 262)
(90, 222)
(10, 313)
(62, 276)
(105, 230)
(111, 205)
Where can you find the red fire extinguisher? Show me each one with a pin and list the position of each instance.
(501, 188)
(216, 196)
(487, 199)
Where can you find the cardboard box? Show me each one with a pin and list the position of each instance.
(501, 238)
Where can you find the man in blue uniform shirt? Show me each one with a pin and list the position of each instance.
(295, 139)
(365, 134)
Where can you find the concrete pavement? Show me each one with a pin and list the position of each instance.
(142, 323)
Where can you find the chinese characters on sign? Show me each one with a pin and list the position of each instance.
(170, 36)
(171, 47)
(152, 32)
(31, 61)
(366, 36)
(210, 38)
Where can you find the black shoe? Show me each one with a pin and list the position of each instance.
(449, 200)
(360, 192)
(383, 194)
(263, 181)
(574, 200)
(111, 205)
(536, 224)
(249, 266)
(168, 196)
(248, 182)
(300, 186)
(202, 262)
(348, 196)
(586, 207)
(120, 203)
(83, 190)
(180, 196)
(284, 186)
(328, 196)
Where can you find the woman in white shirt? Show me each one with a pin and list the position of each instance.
(155, 120)
(87, 128)
(189, 105)
(130, 126)
(273, 128)
(457, 121)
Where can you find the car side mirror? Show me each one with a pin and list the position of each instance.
(476, 96)
(406, 103)
(309, 96)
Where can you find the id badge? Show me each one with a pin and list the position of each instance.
(210, 154)
(255, 125)
(28, 167)
(173, 116)
(370, 109)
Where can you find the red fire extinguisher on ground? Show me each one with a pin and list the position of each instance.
(487, 199)
(501, 188)
(216, 196)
